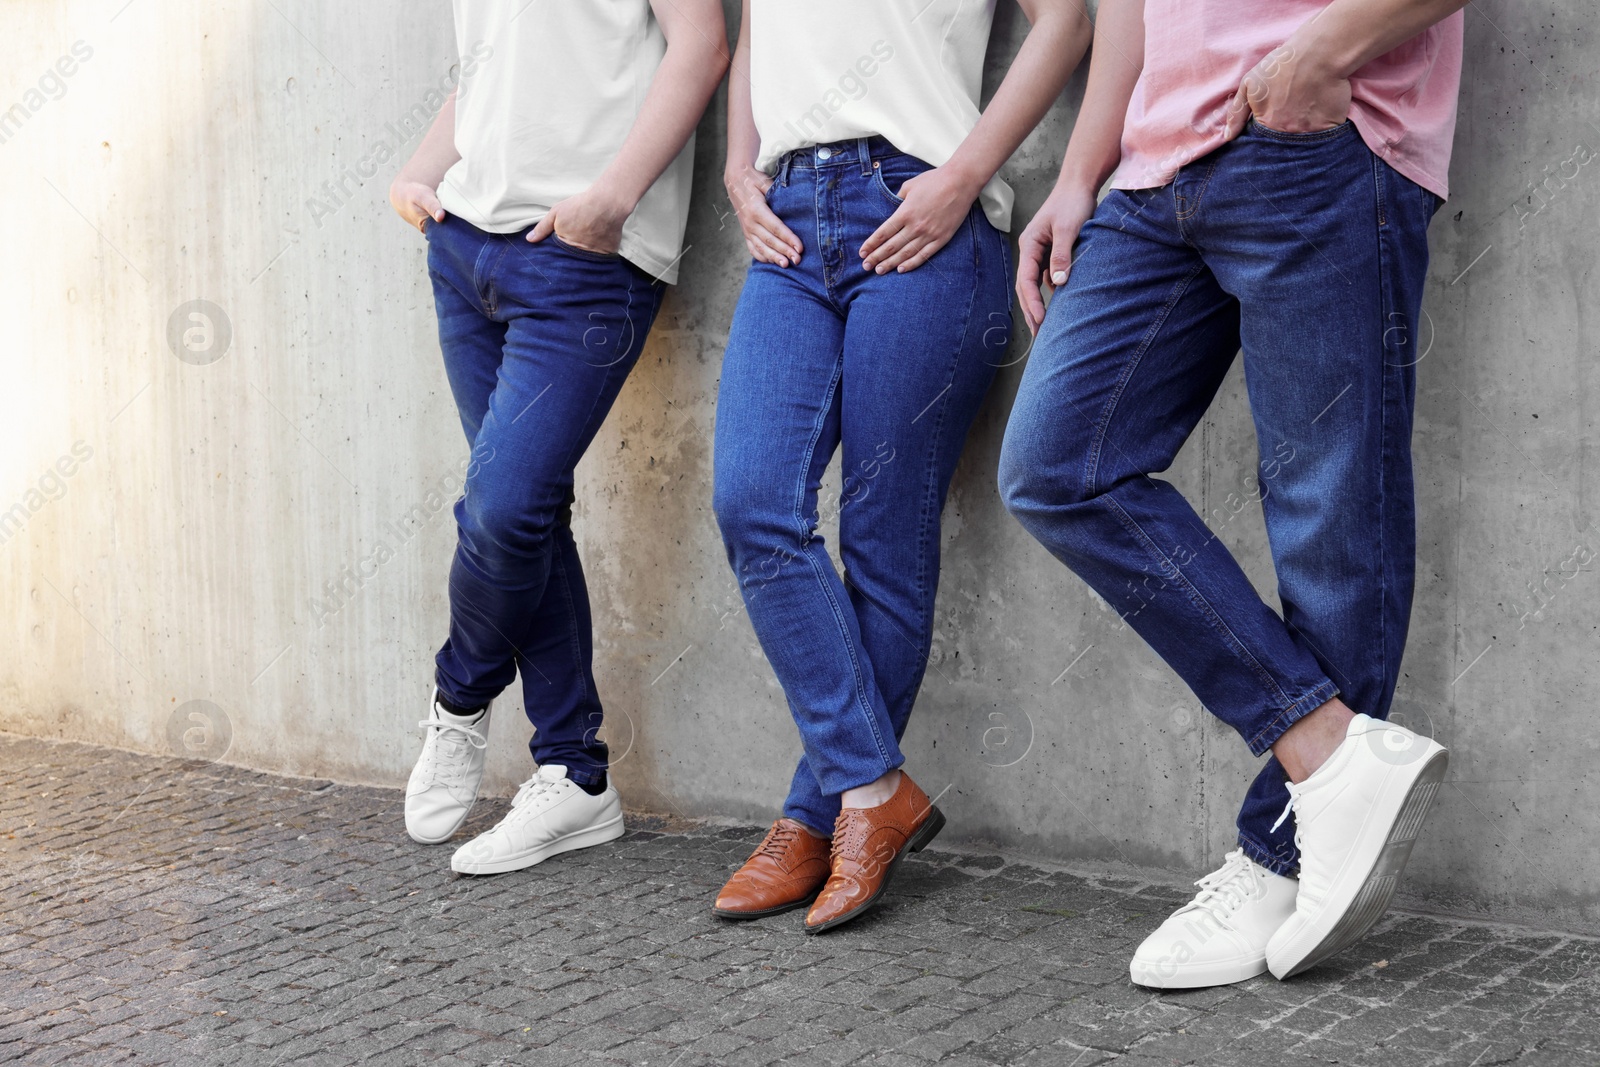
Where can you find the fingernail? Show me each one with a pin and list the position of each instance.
(1059, 277)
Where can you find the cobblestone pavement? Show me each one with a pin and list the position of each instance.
(155, 911)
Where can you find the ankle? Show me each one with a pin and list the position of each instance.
(873, 793)
(1307, 744)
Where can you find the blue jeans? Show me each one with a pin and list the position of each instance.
(1310, 252)
(891, 370)
(537, 342)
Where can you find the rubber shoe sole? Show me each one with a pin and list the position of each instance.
(1374, 882)
(1200, 977)
(419, 839)
(918, 841)
(585, 838)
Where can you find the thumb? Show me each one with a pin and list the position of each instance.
(1060, 260)
(545, 227)
(1239, 109)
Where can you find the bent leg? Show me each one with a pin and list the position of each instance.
(574, 328)
(1131, 354)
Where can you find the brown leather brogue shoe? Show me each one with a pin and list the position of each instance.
(784, 872)
(868, 843)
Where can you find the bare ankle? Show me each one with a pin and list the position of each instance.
(873, 793)
(1307, 744)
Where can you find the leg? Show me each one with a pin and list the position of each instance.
(777, 427)
(920, 352)
(573, 329)
(1329, 308)
(1129, 357)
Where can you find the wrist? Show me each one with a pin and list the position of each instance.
(1081, 181)
(736, 174)
(1321, 49)
(969, 180)
(612, 199)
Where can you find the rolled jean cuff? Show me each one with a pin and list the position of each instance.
(585, 775)
(1268, 735)
(1261, 855)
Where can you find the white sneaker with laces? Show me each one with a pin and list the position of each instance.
(444, 783)
(1220, 937)
(550, 815)
(1356, 819)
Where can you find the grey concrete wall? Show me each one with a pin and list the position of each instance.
(212, 500)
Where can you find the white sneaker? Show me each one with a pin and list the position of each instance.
(444, 783)
(1356, 819)
(1220, 937)
(550, 815)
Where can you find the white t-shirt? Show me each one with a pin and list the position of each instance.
(910, 71)
(547, 110)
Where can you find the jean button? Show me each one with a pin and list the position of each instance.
(824, 153)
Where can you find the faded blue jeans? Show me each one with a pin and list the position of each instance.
(823, 357)
(1309, 252)
(537, 342)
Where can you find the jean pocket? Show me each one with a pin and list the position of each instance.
(891, 173)
(1303, 137)
(584, 253)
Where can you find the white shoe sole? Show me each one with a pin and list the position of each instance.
(447, 835)
(609, 830)
(1365, 885)
(1198, 977)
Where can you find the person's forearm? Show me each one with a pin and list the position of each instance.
(744, 140)
(1114, 65)
(437, 152)
(1051, 52)
(1347, 34)
(694, 63)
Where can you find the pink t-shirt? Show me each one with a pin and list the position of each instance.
(1196, 52)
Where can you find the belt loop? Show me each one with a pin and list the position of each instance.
(864, 147)
(783, 169)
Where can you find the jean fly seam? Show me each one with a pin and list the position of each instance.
(805, 530)
(1180, 215)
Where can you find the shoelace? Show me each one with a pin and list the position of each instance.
(1288, 809)
(450, 753)
(1226, 888)
(777, 841)
(532, 789)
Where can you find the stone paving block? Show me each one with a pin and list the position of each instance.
(301, 913)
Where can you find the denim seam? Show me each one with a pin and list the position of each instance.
(803, 528)
(1091, 484)
(1307, 137)
(559, 567)
(1170, 571)
(1308, 702)
(1092, 460)
(1182, 216)
(1385, 288)
(930, 515)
